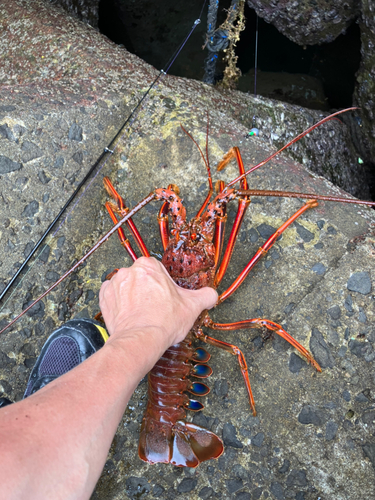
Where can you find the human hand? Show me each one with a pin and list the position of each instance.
(144, 297)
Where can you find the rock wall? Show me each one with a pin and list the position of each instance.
(65, 90)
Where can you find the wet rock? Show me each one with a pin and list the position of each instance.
(289, 308)
(362, 318)
(348, 304)
(320, 350)
(253, 235)
(234, 485)
(277, 490)
(7, 165)
(31, 209)
(44, 179)
(243, 495)
(331, 230)
(59, 162)
(63, 311)
(319, 269)
(35, 312)
(6, 361)
(296, 478)
(90, 295)
(206, 492)
(311, 415)
(221, 388)
(230, 436)
(346, 396)
(258, 439)
(334, 312)
(29, 246)
(28, 350)
(44, 255)
(30, 151)
(265, 231)
(359, 282)
(78, 157)
(6, 132)
(75, 133)
(360, 349)
(52, 276)
(368, 418)
(257, 493)
(137, 487)
(304, 233)
(307, 23)
(331, 430)
(369, 452)
(61, 241)
(362, 124)
(285, 467)
(361, 398)
(6, 386)
(158, 490)
(187, 484)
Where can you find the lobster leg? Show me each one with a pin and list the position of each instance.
(242, 207)
(240, 357)
(122, 210)
(264, 249)
(163, 224)
(270, 325)
(124, 241)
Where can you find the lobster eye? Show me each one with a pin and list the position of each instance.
(195, 237)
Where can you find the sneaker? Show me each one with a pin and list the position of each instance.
(5, 402)
(66, 348)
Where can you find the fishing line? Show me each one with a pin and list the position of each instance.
(100, 162)
(256, 56)
(255, 131)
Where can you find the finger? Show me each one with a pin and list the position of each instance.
(103, 287)
(206, 297)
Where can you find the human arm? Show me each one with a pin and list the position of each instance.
(54, 444)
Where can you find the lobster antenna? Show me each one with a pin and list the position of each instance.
(207, 163)
(308, 196)
(302, 134)
(202, 155)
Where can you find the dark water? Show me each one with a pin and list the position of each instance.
(155, 29)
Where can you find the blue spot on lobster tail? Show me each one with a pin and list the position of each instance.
(194, 405)
(202, 371)
(201, 355)
(199, 389)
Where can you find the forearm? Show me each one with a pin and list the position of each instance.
(55, 443)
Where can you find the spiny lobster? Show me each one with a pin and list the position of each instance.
(192, 256)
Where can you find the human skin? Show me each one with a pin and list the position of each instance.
(54, 443)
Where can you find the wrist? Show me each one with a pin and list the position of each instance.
(140, 347)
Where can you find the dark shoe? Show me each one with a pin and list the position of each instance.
(5, 402)
(66, 348)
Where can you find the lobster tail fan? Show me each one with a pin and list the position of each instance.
(182, 444)
(154, 441)
(202, 443)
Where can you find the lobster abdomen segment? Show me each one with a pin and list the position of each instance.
(165, 436)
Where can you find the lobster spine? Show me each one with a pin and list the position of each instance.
(165, 436)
